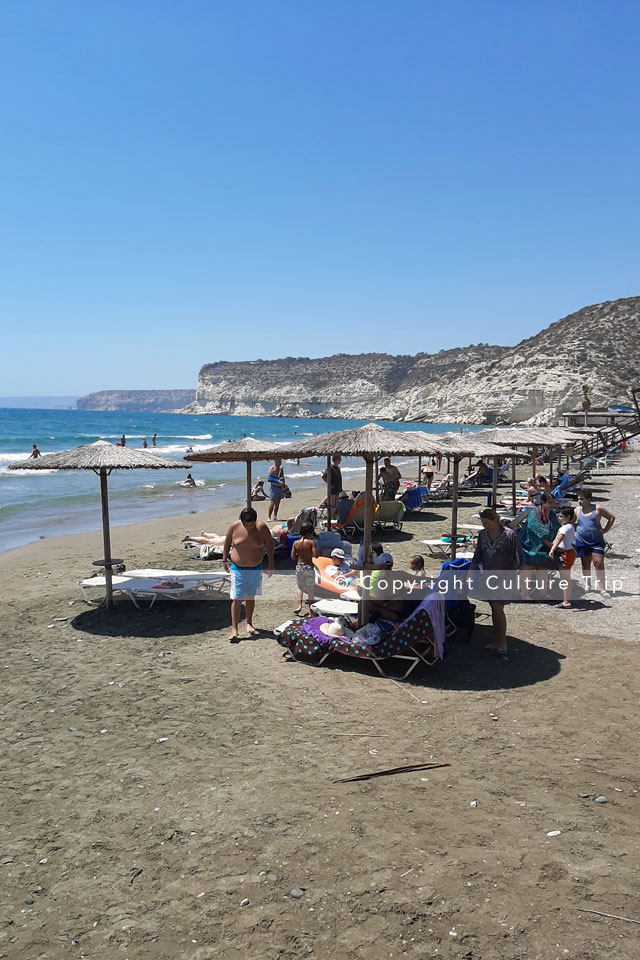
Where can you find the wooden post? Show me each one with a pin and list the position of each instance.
(419, 469)
(106, 539)
(533, 461)
(329, 509)
(513, 484)
(550, 464)
(366, 546)
(454, 507)
(494, 491)
(248, 483)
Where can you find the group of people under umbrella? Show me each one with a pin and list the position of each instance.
(497, 548)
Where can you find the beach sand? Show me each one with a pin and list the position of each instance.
(156, 778)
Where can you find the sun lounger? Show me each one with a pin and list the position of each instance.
(175, 584)
(418, 639)
(389, 514)
(442, 547)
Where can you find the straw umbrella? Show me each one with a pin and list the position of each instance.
(368, 442)
(102, 458)
(247, 450)
(456, 447)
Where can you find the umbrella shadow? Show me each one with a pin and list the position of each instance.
(468, 666)
(178, 620)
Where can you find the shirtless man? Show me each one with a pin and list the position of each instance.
(242, 555)
(35, 453)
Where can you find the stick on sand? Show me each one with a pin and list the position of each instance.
(393, 770)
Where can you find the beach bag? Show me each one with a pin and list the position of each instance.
(287, 492)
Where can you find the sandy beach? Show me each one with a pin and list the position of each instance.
(164, 792)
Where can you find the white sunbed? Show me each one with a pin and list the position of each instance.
(443, 547)
(175, 584)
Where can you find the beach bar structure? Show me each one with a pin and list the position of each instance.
(102, 458)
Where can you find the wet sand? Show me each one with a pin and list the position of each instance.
(155, 777)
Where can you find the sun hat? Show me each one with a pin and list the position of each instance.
(383, 559)
(338, 552)
(335, 629)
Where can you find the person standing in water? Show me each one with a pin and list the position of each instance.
(153, 439)
(144, 443)
(123, 441)
(35, 453)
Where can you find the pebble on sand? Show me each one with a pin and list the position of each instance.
(297, 894)
(601, 800)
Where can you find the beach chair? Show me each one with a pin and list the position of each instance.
(306, 515)
(413, 498)
(441, 490)
(389, 513)
(418, 639)
(151, 583)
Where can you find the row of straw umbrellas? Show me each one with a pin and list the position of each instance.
(373, 441)
(369, 442)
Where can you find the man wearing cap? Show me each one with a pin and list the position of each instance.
(339, 566)
(343, 507)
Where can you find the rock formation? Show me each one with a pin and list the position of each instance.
(539, 378)
(147, 401)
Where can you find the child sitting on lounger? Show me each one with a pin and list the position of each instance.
(302, 553)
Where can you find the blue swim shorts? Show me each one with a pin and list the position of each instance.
(587, 549)
(245, 582)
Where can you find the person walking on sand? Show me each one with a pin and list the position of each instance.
(589, 543)
(35, 453)
(565, 540)
(242, 556)
(275, 478)
(302, 553)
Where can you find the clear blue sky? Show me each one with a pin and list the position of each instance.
(183, 182)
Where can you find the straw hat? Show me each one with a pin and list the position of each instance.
(335, 629)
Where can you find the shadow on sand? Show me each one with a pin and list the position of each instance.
(177, 620)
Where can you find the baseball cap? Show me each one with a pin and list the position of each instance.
(338, 552)
(383, 559)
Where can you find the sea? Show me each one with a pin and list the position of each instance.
(35, 504)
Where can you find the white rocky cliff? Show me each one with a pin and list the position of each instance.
(597, 345)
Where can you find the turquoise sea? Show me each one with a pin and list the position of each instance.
(36, 504)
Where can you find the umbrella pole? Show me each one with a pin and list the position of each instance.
(454, 507)
(329, 510)
(533, 461)
(106, 539)
(513, 485)
(366, 546)
(248, 483)
(494, 489)
(419, 468)
(551, 465)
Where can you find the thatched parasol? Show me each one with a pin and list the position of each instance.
(247, 450)
(102, 458)
(369, 442)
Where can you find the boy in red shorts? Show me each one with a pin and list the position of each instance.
(565, 541)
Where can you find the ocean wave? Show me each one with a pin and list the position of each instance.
(148, 486)
(4, 471)
(183, 483)
(302, 473)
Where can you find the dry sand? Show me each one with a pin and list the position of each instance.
(156, 778)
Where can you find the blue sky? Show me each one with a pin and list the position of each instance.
(194, 181)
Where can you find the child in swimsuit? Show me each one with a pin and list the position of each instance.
(303, 552)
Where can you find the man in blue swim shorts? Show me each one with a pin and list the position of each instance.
(245, 545)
